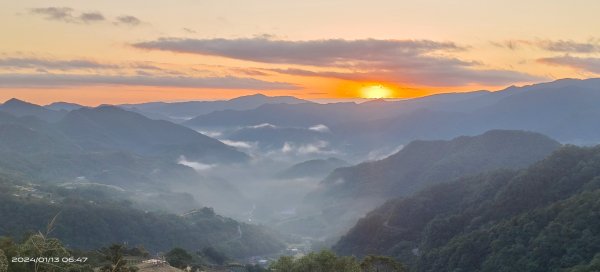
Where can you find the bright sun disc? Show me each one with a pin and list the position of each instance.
(376, 91)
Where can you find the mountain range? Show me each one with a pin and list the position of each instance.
(564, 110)
(316, 168)
(179, 111)
(350, 192)
(111, 146)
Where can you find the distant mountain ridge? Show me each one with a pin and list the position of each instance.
(20, 108)
(58, 106)
(117, 129)
(564, 110)
(114, 128)
(189, 109)
(312, 168)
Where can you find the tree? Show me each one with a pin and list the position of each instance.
(373, 263)
(41, 245)
(283, 264)
(179, 258)
(214, 255)
(3, 262)
(325, 261)
(117, 263)
(254, 268)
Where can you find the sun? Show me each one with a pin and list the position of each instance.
(376, 92)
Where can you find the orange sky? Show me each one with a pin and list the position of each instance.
(136, 51)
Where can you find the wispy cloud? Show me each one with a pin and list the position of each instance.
(318, 147)
(127, 20)
(55, 13)
(320, 128)
(89, 17)
(198, 166)
(561, 46)
(587, 64)
(422, 62)
(428, 74)
(66, 80)
(70, 15)
(239, 144)
(41, 63)
(568, 46)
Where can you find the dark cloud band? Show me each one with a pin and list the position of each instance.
(315, 52)
(401, 61)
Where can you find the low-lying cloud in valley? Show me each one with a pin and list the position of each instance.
(198, 166)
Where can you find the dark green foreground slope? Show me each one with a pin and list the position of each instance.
(84, 225)
(544, 218)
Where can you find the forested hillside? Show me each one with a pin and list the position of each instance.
(543, 218)
(350, 192)
(83, 223)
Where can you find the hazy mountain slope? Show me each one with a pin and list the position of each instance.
(286, 115)
(58, 106)
(421, 163)
(563, 110)
(308, 114)
(20, 108)
(109, 127)
(182, 110)
(40, 152)
(88, 225)
(538, 219)
(348, 193)
(312, 168)
(558, 111)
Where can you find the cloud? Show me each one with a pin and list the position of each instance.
(562, 46)
(568, 46)
(127, 20)
(55, 13)
(66, 80)
(318, 147)
(248, 71)
(189, 30)
(238, 144)
(21, 63)
(69, 15)
(263, 125)
(428, 74)
(423, 62)
(66, 14)
(91, 17)
(383, 153)
(319, 128)
(511, 44)
(199, 167)
(212, 134)
(313, 52)
(579, 63)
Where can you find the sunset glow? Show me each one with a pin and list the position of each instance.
(86, 51)
(376, 91)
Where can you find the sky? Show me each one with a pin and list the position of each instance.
(95, 52)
